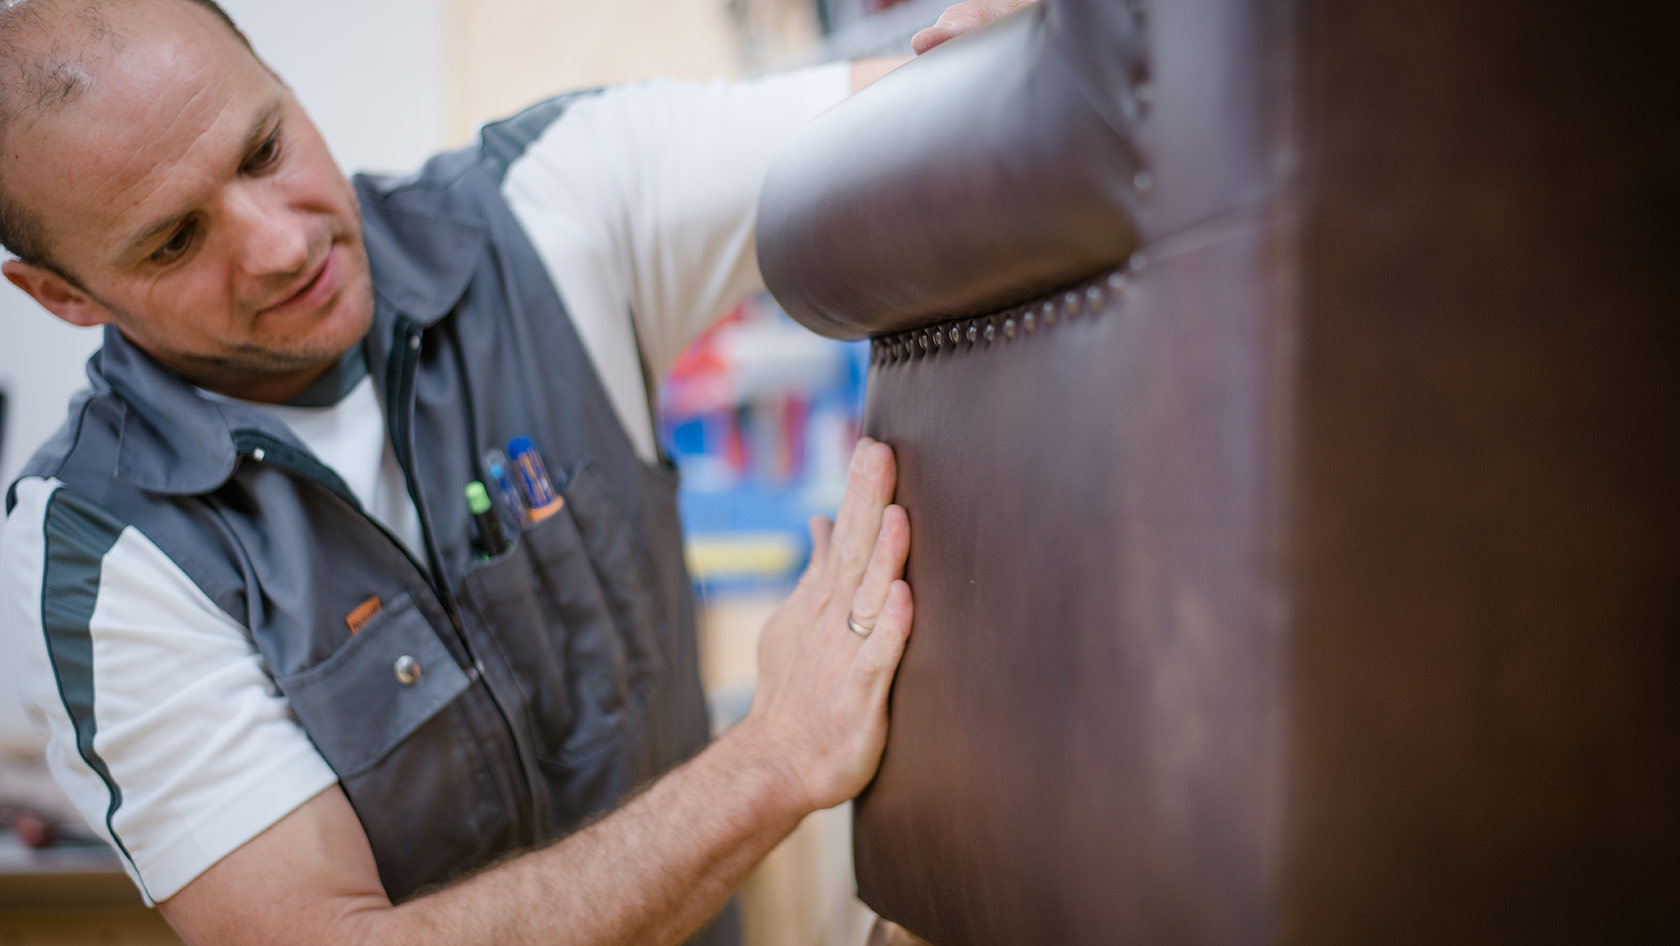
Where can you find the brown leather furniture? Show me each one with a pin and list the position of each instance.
(1285, 405)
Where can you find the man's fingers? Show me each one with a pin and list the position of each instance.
(929, 38)
(869, 489)
(960, 18)
(813, 581)
(886, 563)
(877, 660)
(955, 21)
(822, 532)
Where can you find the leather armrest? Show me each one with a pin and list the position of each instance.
(980, 175)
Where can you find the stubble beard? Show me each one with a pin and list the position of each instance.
(242, 368)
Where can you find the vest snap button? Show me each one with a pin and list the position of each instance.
(408, 670)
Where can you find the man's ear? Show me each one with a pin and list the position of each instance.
(56, 294)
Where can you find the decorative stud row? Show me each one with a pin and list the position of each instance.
(1087, 299)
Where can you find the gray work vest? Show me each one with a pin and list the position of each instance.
(553, 679)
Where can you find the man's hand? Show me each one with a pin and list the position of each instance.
(959, 19)
(821, 704)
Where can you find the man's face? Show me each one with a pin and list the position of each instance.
(197, 206)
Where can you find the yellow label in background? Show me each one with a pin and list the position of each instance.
(742, 554)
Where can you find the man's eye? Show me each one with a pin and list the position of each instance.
(177, 246)
(265, 155)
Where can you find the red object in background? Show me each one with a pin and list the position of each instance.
(790, 453)
(702, 380)
(735, 445)
(33, 832)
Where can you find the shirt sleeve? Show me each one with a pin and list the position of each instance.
(642, 200)
(163, 727)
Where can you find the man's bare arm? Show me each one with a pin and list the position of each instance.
(653, 871)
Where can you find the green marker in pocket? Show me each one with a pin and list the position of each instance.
(490, 538)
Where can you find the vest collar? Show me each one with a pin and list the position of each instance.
(176, 441)
(421, 259)
(173, 439)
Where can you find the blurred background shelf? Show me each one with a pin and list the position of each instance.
(72, 895)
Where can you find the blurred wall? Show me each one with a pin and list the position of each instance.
(508, 54)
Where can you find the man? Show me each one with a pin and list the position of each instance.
(245, 593)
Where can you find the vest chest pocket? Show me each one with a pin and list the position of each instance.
(378, 687)
(569, 610)
(386, 712)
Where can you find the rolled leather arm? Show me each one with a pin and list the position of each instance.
(988, 171)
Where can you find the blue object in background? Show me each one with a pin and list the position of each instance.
(760, 417)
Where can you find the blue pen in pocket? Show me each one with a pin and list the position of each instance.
(532, 476)
(501, 476)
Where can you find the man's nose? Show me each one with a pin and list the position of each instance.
(273, 238)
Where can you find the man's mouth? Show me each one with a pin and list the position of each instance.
(312, 293)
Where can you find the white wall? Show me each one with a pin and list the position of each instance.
(371, 72)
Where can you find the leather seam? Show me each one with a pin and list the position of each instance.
(1089, 297)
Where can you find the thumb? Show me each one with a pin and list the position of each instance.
(955, 21)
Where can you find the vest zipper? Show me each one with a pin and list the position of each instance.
(405, 352)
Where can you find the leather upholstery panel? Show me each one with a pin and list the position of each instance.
(1082, 722)
(1319, 590)
(1485, 655)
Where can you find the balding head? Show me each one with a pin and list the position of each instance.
(49, 51)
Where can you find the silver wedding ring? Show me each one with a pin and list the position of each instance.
(859, 629)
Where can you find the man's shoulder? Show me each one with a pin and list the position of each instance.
(92, 425)
(424, 232)
(45, 505)
(54, 541)
(74, 534)
(70, 496)
(499, 144)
